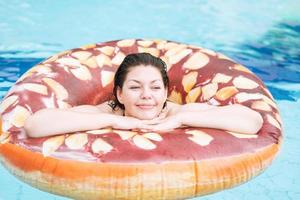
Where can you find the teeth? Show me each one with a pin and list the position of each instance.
(244, 83)
(209, 90)
(76, 141)
(106, 77)
(161, 44)
(170, 45)
(193, 95)
(196, 61)
(200, 137)
(81, 55)
(117, 60)
(226, 92)
(244, 96)
(145, 43)
(175, 97)
(277, 116)
(103, 60)
(261, 105)
(126, 43)
(269, 101)
(52, 144)
(107, 50)
(19, 116)
(8, 102)
(59, 90)
(89, 46)
(82, 73)
(34, 87)
(100, 146)
(143, 142)
(189, 80)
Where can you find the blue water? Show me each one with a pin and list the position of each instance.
(264, 36)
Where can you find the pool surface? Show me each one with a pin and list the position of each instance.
(262, 35)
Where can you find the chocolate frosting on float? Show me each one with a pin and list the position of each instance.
(85, 76)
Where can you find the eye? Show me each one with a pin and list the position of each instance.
(156, 87)
(134, 87)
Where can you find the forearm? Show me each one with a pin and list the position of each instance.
(57, 121)
(235, 118)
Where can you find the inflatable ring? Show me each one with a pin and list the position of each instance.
(115, 164)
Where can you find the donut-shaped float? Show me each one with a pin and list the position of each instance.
(116, 164)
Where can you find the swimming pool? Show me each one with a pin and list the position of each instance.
(263, 36)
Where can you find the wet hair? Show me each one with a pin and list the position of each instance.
(131, 61)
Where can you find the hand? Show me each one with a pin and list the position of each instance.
(164, 124)
(127, 123)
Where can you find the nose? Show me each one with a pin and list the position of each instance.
(146, 93)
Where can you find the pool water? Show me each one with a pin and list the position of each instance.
(262, 35)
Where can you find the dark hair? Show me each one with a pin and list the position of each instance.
(133, 60)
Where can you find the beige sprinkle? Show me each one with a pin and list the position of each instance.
(100, 131)
(81, 55)
(209, 90)
(145, 43)
(153, 136)
(261, 105)
(160, 43)
(100, 146)
(152, 51)
(189, 80)
(89, 46)
(91, 62)
(82, 73)
(107, 50)
(118, 58)
(175, 50)
(52, 144)
(241, 135)
(175, 97)
(221, 78)
(8, 102)
(273, 121)
(76, 141)
(68, 62)
(59, 90)
(19, 116)
(209, 52)
(126, 43)
(241, 68)
(244, 83)
(226, 92)
(170, 45)
(103, 60)
(143, 142)
(244, 96)
(34, 87)
(196, 61)
(125, 134)
(200, 137)
(107, 77)
(193, 95)
(179, 56)
(269, 101)
(277, 116)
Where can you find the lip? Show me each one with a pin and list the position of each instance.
(145, 106)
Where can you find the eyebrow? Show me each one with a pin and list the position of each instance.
(140, 82)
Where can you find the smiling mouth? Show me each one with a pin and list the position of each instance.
(145, 106)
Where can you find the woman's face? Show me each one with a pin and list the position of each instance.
(143, 93)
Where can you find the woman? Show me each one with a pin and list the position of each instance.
(140, 102)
